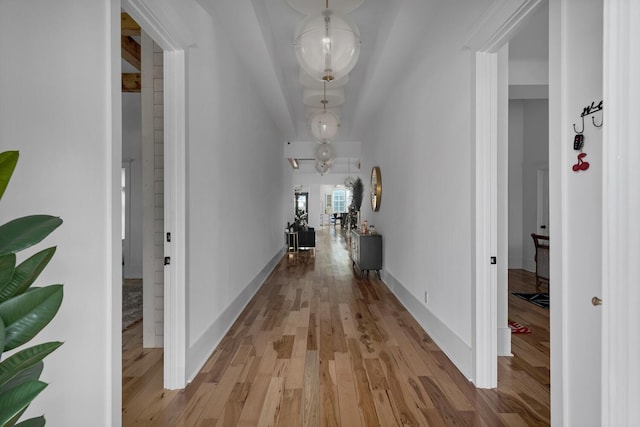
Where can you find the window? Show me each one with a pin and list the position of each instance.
(339, 201)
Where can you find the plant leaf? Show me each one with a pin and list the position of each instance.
(25, 315)
(19, 362)
(14, 401)
(3, 334)
(8, 161)
(24, 232)
(32, 422)
(31, 373)
(26, 273)
(7, 269)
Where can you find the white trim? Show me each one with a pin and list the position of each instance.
(500, 202)
(557, 205)
(173, 37)
(501, 20)
(154, 19)
(205, 344)
(113, 235)
(175, 328)
(485, 307)
(621, 209)
(492, 31)
(456, 349)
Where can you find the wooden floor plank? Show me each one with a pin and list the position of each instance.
(319, 346)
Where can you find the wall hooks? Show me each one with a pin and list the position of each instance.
(587, 111)
(593, 119)
(581, 130)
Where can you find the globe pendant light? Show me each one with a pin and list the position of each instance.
(322, 167)
(325, 125)
(348, 181)
(327, 45)
(324, 152)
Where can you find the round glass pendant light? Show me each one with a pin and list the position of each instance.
(324, 126)
(324, 152)
(348, 181)
(322, 167)
(327, 45)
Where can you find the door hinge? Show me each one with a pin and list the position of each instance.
(167, 260)
(494, 260)
(168, 237)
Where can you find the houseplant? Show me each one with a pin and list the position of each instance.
(356, 203)
(24, 310)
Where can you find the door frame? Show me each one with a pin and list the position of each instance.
(493, 30)
(154, 23)
(621, 209)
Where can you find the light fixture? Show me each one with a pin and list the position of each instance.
(348, 181)
(322, 167)
(327, 45)
(324, 125)
(324, 152)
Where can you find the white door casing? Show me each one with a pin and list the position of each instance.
(492, 31)
(153, 18)
(620, 213)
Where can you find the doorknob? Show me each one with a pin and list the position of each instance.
(596, 301)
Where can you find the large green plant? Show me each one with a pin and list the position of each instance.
(24, 310)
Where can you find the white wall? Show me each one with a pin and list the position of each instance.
(235, 187)
(132, 161)
(516, 145)
(60, 121)
(535, 157)
(56, 109)
(529, 51)
(576, 214)
(425, 215)
(528, 153)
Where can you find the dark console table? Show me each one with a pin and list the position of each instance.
(366, 252)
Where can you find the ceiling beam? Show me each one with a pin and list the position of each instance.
(128, 26)
(131, 82)
(130, 51)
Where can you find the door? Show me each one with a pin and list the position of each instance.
(543, 202)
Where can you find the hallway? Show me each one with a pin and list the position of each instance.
(316, 346)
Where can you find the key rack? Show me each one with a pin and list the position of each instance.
(588, 111)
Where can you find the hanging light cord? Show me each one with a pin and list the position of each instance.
(324, 98)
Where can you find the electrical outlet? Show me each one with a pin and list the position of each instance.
(426, 297)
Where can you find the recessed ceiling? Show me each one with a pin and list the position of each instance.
(310, 7)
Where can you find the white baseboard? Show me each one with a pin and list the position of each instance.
(459, 352)
(200, 351)
(504, 342)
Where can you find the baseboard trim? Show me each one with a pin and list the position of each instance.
(504, 342)
(200, 351)
(451, 344)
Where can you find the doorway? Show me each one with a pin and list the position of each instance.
(171, 238)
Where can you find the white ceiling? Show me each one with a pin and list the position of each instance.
(275, 22)
(262, 32)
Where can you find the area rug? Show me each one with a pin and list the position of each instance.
(541, 299)
(517, 328)
(131, 302)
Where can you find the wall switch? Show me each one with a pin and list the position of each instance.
(426, 297)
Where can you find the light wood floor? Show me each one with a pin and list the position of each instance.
(318, 347)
